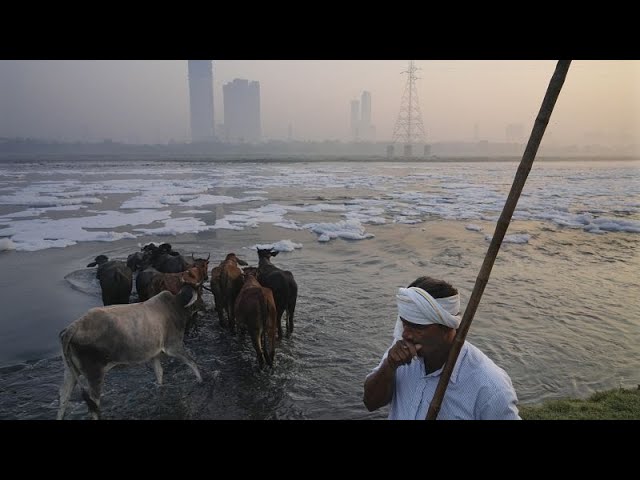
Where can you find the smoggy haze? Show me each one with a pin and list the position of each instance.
(148, 101)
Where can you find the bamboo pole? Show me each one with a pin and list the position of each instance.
(540, 125)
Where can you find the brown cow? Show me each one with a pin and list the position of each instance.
(173, 281)
(230, 284)
(256, 310)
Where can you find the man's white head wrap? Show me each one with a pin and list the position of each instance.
(417, 306)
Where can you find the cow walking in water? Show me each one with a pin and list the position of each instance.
(230, 285)
(121, 334)
(217, 293)
(116, 280)
(283, 286)
(256, 311)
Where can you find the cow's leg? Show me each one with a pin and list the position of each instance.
(232, 317)
(69, 383)
(220, 313)
(291, 307)
(290, 312)
(255, 339)
(157, 367)
(270, 336)
(279, 322)
(241, 324)
(220, 309)
(95, 377)
(285, 315)
(179, 352)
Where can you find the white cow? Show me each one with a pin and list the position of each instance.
(121, 334)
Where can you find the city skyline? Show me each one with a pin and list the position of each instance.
(142, 102)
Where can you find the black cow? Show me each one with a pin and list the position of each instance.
(283, 286)
(116, 280)
(135, 261)
(166, 260)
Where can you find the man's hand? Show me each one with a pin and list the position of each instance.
(401, 353)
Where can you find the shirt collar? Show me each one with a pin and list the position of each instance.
(456, 368)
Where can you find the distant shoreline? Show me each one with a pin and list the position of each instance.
(79, 157)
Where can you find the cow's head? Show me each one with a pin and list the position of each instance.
(99, 260)
(267, 252)
(202, 264)
(233, 256)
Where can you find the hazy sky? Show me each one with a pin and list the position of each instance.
(147, 101)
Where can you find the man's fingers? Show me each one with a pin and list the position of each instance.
(394, 359)
(405, 351)
(412, 349)
(402, 353)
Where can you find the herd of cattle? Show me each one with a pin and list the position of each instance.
(169, 288)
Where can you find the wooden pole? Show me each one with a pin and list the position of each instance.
(540, 125)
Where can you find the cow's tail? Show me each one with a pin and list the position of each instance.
(66, 335)
(71, 362)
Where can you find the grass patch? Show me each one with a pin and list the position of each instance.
(616, 404)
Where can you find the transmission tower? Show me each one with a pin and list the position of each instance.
(409, 129)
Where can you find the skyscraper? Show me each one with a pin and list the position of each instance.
(365, 116)
(361, 128)
(355, 119)
(201, 100)
(242, 111)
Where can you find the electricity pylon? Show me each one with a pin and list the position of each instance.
(409, 128)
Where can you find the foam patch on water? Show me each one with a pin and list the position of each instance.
(6, 244)
(596, 200)
(521, 238)
(473, 227)
(346, 229)
(280, 246)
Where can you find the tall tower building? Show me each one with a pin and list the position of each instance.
(253, 112)
(355, 119)
(201, 100)
(242, 111)
(365, 115)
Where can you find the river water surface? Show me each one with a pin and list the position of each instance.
(560, 312)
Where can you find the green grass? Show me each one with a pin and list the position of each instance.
(617, 404)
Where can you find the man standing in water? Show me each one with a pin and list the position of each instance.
(407, 376)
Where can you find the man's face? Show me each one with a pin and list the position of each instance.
(430, 337)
